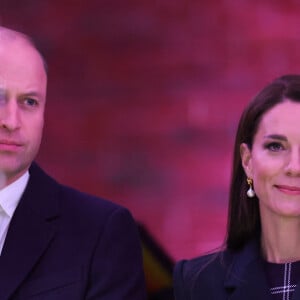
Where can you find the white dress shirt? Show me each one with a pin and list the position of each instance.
(9, 199)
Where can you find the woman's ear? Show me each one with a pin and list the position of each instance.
(246, 159)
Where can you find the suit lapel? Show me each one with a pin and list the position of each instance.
(31, 230)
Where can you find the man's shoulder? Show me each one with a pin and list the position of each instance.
(85, 203)
(72, 201)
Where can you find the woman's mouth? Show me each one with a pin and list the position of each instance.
(288, 189)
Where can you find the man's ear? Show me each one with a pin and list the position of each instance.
(246, 158)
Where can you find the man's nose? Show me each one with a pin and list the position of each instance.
(9, 116)
(293, 166)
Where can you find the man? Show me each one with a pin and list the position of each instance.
(55, 242)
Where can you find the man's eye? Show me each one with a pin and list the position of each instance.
(30, 102)
(274, 146)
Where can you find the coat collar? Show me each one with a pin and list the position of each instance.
(246, 278)
(31, 230)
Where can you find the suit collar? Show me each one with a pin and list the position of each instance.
(42, 193)
(31, 230)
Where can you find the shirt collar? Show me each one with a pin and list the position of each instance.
(11, 194)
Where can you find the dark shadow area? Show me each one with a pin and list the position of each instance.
(158, 267)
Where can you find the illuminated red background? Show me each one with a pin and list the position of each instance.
(144, 98)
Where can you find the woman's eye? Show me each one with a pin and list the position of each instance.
(274, 146)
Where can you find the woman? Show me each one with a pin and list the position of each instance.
(261, 256)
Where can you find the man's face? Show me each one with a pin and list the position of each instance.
(22, 103)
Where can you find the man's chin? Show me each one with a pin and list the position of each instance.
(10, 173)
(3, 180)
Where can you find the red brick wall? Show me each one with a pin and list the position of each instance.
(144, 98)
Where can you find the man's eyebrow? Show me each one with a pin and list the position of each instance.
(276, 137)
(3, 92)
(32, 94)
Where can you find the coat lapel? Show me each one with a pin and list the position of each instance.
(247, 280)
(253, 285)
(31, 230)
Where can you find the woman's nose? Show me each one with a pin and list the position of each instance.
(293, 166)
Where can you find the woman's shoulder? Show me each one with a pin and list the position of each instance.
(209, 269)
(212, 262)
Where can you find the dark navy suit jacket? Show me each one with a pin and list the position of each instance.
(224, 275)
(67, 245)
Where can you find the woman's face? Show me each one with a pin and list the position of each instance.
(274, 161)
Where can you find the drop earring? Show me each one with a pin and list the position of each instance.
(250, 192)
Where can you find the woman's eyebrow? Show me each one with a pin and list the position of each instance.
(276, 137)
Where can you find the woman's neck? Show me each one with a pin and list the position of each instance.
(280, 239)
